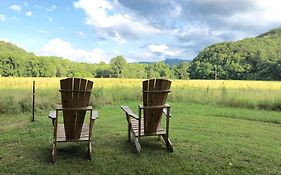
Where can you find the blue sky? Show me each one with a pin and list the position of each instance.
(140, 30)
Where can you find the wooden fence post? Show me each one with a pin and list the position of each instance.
(33, 100)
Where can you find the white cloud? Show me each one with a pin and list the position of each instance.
(43, 31)
(163, 49)
(25, 3)
(16, 8)
(37, 6)
(267, 11)
(177, 9)
(60, 48)
(118, 38)
(81, 34)
(28, 13)
(6, 40)
(52, 8)
(2, 18)
(50, 18)
(106, 19)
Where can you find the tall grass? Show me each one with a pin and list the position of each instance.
(16, 93)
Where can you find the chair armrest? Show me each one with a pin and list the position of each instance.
(129, 112)
(53, 115)
(154, 107)
(95, 115)
(165, 112)
(60, 108)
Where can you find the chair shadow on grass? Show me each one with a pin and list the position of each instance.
(66, 151)
(71, 151)
(148, 144)
(116, 144)
(113, 143)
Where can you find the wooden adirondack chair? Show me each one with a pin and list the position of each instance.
(155, 92)
(75, 95)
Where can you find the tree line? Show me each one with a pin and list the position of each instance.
(256, 58)
(17, 62)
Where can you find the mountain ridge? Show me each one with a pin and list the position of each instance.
(256, 58)
(250, 58)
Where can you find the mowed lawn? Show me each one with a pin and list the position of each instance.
(206, 139)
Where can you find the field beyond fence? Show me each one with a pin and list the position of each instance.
(16, 93)
(208, 136)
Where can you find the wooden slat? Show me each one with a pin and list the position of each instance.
(86, 108)
(153, 102)
(84, 99)
(67, 102)
(81, 113)
(76, 87)
(135, 128)
(129, 112)
(84, 91)
(158, 100)
(156, 91)
(151, 113)
(164, 85)
(145, 100)
(154, 107)
(84, 136)
(75, 100)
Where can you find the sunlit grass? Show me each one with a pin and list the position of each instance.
(242, 94)
(26, 83)
(206, 139)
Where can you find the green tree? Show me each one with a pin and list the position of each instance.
(117, 65)
(181, 71)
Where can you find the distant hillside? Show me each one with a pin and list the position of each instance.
(15, 61)
(175, 61)
(274, 33)
(251, 58)
(169, 61)
(9, 48)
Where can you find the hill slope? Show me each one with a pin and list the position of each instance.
(15, 61)
(169, 61)
(250, 58)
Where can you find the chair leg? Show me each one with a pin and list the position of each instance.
(54, 152)
(90, 150)
(169, 144)
(159, 137)
(129, 132)
(136, 142)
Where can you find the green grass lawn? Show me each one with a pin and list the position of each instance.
(206, 139)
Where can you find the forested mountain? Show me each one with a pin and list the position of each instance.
(170, 61)
(251, 58)
(15, 61)
(175, 61)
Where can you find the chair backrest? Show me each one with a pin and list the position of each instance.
(75, 94)
(155, 92)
